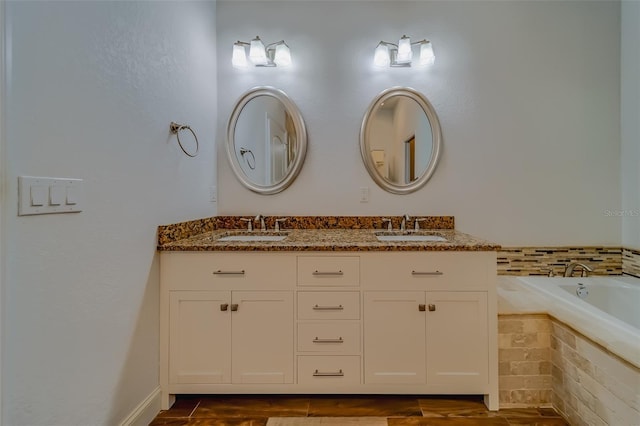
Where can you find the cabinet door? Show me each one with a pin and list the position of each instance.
(200, 337)
(262, 337)
(394, 337)
(457, 339)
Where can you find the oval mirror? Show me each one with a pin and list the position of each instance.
(400, 140)
(266, 140)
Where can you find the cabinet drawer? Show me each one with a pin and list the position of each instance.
(227, 271)
(429, 270)
(328, 305)
(328, 370)
(328, 270)
(336, 337)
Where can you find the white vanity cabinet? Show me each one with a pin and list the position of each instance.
(404, 322)
(226, 319)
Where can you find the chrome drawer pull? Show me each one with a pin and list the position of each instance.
(427, 273)
(327, 273)
(338, 340)
(328, 308)
(328, 374)
(219, 272)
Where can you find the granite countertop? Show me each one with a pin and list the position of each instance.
(336, 237)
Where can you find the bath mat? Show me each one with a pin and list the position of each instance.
(327, 421)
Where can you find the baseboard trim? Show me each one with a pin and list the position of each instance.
(145, 412)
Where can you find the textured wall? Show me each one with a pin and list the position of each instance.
(93, 87)
(530, 115)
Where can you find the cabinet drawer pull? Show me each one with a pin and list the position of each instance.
(338, 340)
(327, 273)
(219, 272)
(431, 273)
(328, 308)
(224, 307)
(432, 307)
(422, 307)
(328, 373)
(234, 307)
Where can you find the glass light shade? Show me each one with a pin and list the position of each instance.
(283, 55)
(381, 56)
(257, 54)
(239, 57)
(427, 56)
(404, 51)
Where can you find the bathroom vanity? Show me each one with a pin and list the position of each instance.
(328, 311)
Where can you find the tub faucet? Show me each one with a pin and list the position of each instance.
(263, 226)
(568, 270)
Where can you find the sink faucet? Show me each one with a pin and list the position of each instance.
(568, 270)
(263, 226)
(403, 225)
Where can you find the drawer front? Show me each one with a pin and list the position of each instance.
(450, 271)
(335, 337)
(330, 370)
(227, 271)
(331, 305)
(328, 271)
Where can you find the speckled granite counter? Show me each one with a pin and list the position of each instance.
(315, 234)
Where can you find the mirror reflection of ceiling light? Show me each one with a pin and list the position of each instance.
(274, 54)
(401, 54)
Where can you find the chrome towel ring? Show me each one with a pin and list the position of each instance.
(176, 128)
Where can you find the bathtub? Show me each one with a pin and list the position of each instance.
(605, 309)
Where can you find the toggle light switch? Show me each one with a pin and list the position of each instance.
(56, 195)
(38, 195)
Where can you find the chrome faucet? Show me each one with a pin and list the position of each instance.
(403, 225)
(416, 224)
(263, 226)
(568, 270)
(276, 227)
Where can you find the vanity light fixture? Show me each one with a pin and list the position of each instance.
(401, 54)
(274, 54)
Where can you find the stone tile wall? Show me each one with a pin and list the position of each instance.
(590, 385)
(541, 260)
(524, 360)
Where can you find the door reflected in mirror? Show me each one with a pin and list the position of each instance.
(266, 140)
(400, 140)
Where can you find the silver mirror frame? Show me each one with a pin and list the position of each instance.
(436, 134)
(301, 139)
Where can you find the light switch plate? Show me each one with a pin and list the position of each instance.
(45, 195)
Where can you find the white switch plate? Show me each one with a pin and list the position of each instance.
(45, 195)
(213, 194)
(364, 194)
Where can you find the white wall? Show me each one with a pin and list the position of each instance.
(93, 87)
(630, 129)
(527, 94)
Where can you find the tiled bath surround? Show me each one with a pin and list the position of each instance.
(590, 385)
(544, 362)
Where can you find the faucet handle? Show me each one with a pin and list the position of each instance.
(260, 218)
(416, 224)
(249, 223)
(277, 225)
(389, 225)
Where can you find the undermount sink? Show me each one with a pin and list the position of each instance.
(409, 236)
(256, 236)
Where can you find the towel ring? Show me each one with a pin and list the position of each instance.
(176, 128)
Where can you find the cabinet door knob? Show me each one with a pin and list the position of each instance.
(234, 307)
(422, 307)
(224, 306)
(432, 307)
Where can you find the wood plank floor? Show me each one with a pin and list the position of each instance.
(255, 410)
